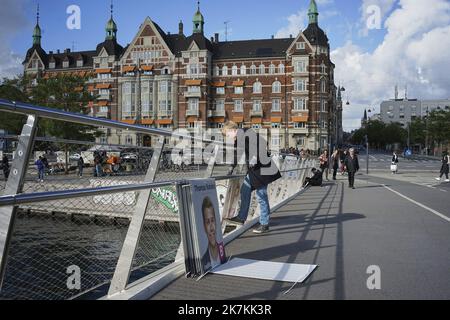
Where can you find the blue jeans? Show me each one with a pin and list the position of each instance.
(41, 174)
(263, 200)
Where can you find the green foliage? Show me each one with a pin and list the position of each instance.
(14, 90)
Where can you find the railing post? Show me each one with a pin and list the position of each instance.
(125, 262)
(14, 185)
(212, 162)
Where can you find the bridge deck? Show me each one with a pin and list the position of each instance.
(344, 231)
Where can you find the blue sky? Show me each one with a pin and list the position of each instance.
(250, 19)
(410, 48)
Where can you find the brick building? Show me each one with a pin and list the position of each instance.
(172, 81)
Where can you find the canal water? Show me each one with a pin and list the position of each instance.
(47, 251)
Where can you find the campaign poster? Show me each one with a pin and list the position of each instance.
(208, 232)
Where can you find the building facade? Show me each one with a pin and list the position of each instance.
(404, 111)
(173, 81)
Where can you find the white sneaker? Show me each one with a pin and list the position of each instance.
(438, 179)
(447, 180)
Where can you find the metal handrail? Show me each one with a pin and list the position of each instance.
(26, 198)
(55, 114)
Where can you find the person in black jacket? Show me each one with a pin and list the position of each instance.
(316, 179)
(351, 165)
(261, 171)
(445, 166)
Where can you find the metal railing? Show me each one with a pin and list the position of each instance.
(107, 231)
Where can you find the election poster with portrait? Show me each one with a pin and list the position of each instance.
(209, 250)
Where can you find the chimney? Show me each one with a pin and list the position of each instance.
(273, 37)
(216, 37)
(57, 51)
(50, 52)
(212, 39)
(290, 36)
(67, 50)
(180, 28)
(168, 33)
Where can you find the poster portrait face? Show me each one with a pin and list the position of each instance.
(209, 221)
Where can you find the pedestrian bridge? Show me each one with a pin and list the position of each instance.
(114, 236)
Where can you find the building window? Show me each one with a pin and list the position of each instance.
(276, 105)
(128, 100)
(299, 85)
(217, 71)
(220, 105)
(402, 116)
(276, 125)
(323, 106)
(238, 90)
(300, 125)
(276, 87)
(234, 71)
(299, 104)
(262, 69)
(300, 66)
(193, 89)
(52, 65)
(256, 126)
(103, 109)
(253, 69)
(323, 69)
(220, 90)
(281, 68)
(146, 98)
(323, 86)
(194, 69)
(65, 64)
(243, 70)
(238, 106)
(275, 141)
(103, 92)
(257, 87)
(128, 139)
(300, 45)
(257, 105)
(104, 76)
(272, 69)
(225, 70)
(79, 63)
(193, 104)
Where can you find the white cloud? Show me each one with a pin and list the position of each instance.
(414, 52)
(324, 2)
(12, 20)
(296, 23)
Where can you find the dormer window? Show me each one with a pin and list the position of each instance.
(300, 45)
(65, 64)
(52, 65)
(80, 63)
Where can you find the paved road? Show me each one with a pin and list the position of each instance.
(345, 231)
(380, 161)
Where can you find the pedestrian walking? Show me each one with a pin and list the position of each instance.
(5, 166)
(80, 163)
(394, 163)
(445, 166)
(41, 169)
(335, 162)
(343, 156)
(351, 164)
(324, 163)
(259, 174)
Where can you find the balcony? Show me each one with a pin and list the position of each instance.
(106, 96)
(165, 113)
(216, 113)
(193, 94)
(194, 112)
(256, 113)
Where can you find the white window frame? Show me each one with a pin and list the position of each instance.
(239, 90)
(257, 105)
(238, 106)
(300, 85)
(257, 87)
(300, 45)
(224, 70)
(65, 64)
(243, 70)
(262, 69)
(272, 69)
(220, 90)
(193, 104)
(300, 125)
(276, 105)
(234, 70)
(281, 68)
(253, 69)
(276, 87)
(300, 104)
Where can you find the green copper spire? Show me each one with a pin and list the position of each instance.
(198, 20)
(111, 27)
(313, 13)
(37, 34)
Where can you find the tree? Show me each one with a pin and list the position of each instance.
(14, 90)
(68, 93)
(439, 127)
